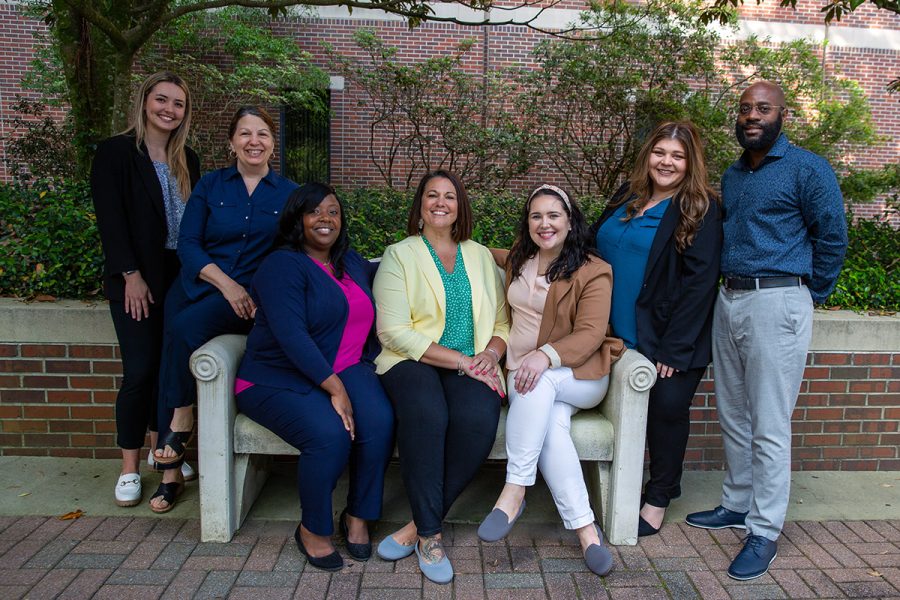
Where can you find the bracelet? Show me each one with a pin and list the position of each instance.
(459, 366)
(494, 352)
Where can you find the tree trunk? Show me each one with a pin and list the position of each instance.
(98, 77)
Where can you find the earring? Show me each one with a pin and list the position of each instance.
(421, 223)
(231, 153)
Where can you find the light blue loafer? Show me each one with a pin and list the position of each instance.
(439, 572)
(391, 549)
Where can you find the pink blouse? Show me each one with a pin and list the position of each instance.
(360, 318)
(527, 295)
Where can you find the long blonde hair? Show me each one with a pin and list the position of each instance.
(693, 194)
(176, 157)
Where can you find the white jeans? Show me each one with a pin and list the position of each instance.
(537, 436)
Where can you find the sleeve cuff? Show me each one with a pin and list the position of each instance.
(555, 360)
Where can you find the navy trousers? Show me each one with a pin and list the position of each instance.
(668, 428)
(188, 325)
(140, 343)
(309, 423)
(446, 425)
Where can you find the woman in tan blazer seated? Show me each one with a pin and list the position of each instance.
(558, 359)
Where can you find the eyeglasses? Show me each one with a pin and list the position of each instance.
(762, 108)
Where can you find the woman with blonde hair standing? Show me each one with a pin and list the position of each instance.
(140, 181)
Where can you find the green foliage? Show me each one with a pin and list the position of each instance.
(377, 218)
(865, 186)
(229, 58)
(50, 245)
(435, 114)
(834, 10)
(595, 97)
(43, 147)
(869, 279)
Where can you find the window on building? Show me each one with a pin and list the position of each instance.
(305, 142)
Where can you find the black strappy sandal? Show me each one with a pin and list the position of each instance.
(176, 440)
(168, 492)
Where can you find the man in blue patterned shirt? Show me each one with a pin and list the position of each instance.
(785, 238)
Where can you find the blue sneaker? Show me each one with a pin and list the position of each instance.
(754, 558)
(717, 518)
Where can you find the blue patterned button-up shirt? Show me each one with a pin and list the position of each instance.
(785, 217)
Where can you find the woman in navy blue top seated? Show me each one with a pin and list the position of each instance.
(309, 374)
(228, 227)
(662, 234)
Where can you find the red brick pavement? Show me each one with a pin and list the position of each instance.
(121, 558)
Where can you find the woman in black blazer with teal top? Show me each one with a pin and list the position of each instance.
(667, 313)
(139, 182)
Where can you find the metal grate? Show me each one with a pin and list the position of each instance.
(306, 142)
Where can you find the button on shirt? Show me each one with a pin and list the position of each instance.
(785, 217)
(224, 225)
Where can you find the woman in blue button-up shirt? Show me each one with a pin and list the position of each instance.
(228, 227)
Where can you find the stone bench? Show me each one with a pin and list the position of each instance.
(235, 452)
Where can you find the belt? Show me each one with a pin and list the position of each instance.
(760, 283)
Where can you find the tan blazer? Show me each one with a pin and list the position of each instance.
(575, 323)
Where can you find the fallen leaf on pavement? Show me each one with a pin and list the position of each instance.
(874, 573)
(69, 516)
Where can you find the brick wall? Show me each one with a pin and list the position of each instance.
(57, 399)
(846, 417)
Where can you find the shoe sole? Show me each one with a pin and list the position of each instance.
(719, 527)
(127, 503)
(748, 578)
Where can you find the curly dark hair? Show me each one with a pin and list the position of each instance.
(577, 248)
(303, 201)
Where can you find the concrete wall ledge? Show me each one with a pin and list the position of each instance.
(75, 322)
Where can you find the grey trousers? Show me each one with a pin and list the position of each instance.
(760, 340)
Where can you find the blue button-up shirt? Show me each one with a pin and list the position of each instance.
(224, 225)
(785, 217)
(625, 245)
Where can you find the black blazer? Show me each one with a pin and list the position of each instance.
(131, 217)
(675, 305)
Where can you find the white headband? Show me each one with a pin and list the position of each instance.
(554, 189)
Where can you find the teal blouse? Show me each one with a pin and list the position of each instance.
(459, 326)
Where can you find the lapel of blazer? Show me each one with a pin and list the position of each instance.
(429, 272)
(660, 241)
(151, 181)
(474, 269)
(559, 289)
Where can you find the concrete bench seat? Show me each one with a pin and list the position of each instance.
(235, 452)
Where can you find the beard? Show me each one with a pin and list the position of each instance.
(766, 139)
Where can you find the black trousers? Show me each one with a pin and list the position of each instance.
(446, 425)
(140, 343)
(668, 428)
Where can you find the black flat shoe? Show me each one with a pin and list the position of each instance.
(645, 528)
(361, 552)
(331, 562)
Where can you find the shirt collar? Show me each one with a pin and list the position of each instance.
(231, 172)
(778, 150)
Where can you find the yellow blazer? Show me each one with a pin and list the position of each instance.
(411, 306)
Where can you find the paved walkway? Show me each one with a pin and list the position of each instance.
(147, 558)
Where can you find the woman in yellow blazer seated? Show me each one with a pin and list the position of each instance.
(442, 323)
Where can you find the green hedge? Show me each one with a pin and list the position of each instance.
(50, 245)
(49, 240)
